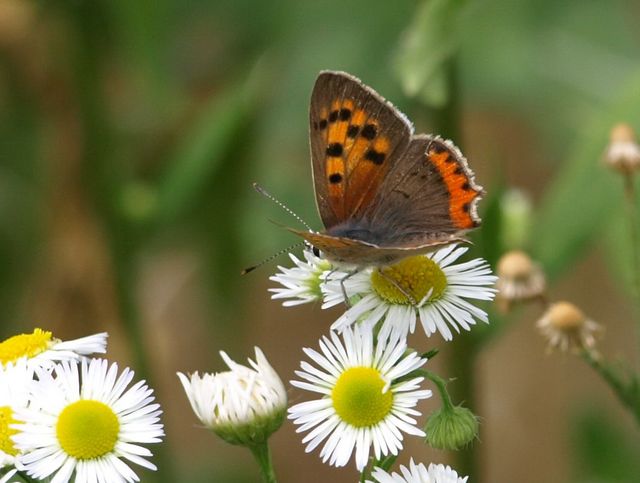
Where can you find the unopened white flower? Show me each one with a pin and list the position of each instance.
(301, 283)
(244, 405)
(418, 474)
(15, 379)
(429, 288)
(41, 347)
(364, 400)
(84, 419)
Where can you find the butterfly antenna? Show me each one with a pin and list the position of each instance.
(266, 194)
(272, 257)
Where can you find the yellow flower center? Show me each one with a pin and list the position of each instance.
(409, 281)
(24, 345)
(358, 398)
(87, 429)
(6, 419)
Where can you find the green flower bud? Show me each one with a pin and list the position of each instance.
(451, 428)
(516, 210)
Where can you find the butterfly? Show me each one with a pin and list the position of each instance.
(383, 192)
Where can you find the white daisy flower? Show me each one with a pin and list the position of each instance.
(15, 379)
(429, 288)
(418, 474)
(363, 400)
(244, 405)
(301, 284)
(84, 419)
(42, 348)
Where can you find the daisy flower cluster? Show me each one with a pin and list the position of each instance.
(67, 417)
(365, 380)
(430, 290)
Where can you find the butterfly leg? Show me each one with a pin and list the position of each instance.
(342, 286)
(401, 289)
(344, 289)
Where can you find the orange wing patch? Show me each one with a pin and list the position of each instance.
(460, 187)
(354, 156)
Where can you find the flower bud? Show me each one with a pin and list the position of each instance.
(451, 428)
(243, 406)
(516, 209)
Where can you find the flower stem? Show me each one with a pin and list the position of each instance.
(441, 384)
(263, 457)
(630, 195)
(628, 392)
(24, 477)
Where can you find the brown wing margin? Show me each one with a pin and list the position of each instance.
(356, 137)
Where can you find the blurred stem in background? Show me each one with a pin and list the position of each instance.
(626, 389)
(427, 68)
(446, 121)
(631, 200)
(90, 34)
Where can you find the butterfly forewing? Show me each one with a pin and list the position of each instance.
(356, 139)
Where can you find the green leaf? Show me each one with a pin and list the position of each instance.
(595, 437)
(204, 148)
(429, 42)
(579, 202)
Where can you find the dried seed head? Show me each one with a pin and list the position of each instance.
(566, 327)
(519, 279)
(623, 152)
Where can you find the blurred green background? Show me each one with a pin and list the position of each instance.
(130, 133)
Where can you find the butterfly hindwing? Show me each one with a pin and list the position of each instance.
(428, 195)
(350, 251)
(356, 138)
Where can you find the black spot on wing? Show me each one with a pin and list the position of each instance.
(369, 131)
(374, 156)
(334, 150)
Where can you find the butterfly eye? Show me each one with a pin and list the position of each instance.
(316, 251)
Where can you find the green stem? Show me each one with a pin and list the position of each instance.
(91, 30)
(463, 362)
(24, 477)
(263, 456)
(630, 195)
(464, 350)
(628, 392)
(446, 119)
(441, 384)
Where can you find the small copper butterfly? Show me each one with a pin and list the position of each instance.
(383, 192)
